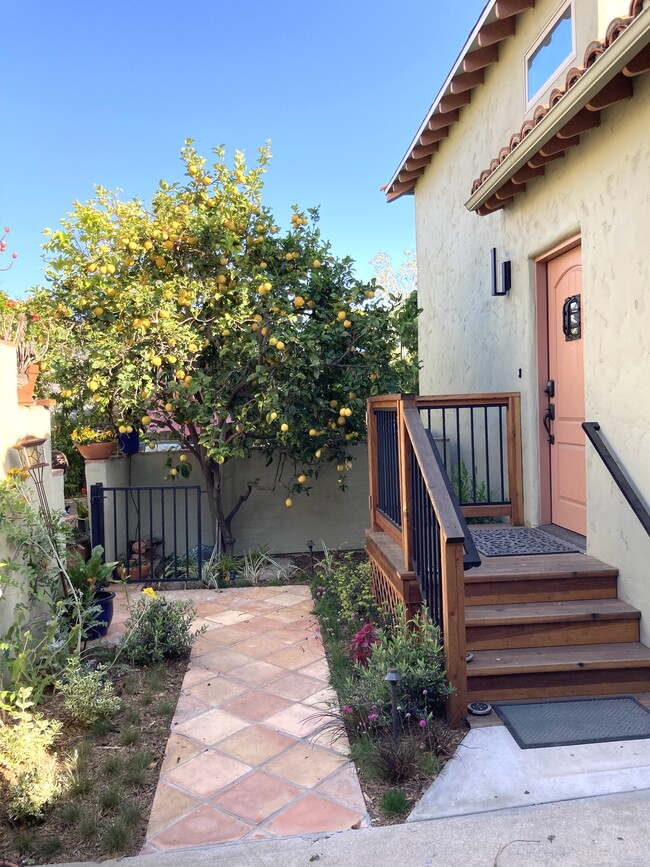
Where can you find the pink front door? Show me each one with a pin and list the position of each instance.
(567, 398)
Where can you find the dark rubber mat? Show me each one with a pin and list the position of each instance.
(517, 541)
(578, 721)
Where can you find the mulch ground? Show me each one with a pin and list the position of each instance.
(106, 809)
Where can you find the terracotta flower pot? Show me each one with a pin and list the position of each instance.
(26, 385)
(135, 572)
(96, 451)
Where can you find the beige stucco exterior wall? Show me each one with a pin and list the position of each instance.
(326, 515)
(17, 422)
(472, 342)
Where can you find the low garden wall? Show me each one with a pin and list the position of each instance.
(17, 422)
(325, 516)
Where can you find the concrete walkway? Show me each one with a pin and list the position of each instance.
(490, 772)
(597, 832)
(241, 762)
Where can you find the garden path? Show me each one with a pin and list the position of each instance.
(243, 761)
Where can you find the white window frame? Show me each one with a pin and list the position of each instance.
(533, 101)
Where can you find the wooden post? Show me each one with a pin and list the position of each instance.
(373, 483)
(453, 618)
(515, 466)
(406, 401)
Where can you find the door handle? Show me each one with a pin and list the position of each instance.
(548, 417)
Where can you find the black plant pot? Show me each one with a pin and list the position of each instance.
(103, 598)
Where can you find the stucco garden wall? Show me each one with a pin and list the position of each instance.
(326, 515)
(472, 342)
(17, 422)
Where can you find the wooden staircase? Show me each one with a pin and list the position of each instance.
(548, 626)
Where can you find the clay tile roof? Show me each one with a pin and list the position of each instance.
(594, 51)
(496, 24)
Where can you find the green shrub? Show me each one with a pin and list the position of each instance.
(158, 629)
(414, 649)
(394, 802)
(31, 774)
(88, 695)
(344, 587)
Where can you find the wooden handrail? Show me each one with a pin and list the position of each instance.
(450, 526)
(441, 400)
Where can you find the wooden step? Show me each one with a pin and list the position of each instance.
(539, 578)
(548, 672)
(543, 624)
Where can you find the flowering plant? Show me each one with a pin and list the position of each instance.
(90, 576)
(85, 435)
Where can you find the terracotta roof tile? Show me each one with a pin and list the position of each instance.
(554, 149)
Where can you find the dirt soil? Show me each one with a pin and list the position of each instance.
(106, 810)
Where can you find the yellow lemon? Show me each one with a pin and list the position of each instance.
(347, 323)
(146, 420)
(302, 478)
(298, 301)
(341, 315)
(288, 502)
(284, 427)
(280, 344)
(313, 432)
(316, 263)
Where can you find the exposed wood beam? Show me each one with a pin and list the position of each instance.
(618, 88)
(438, 120)
(639, 64)
(508, 190)
(540, 160)
(556, 145)
(455, 100)
(405, 177)
(508, 8)
(419, 151)
(527, 173)
(466, 81)
(481, 58)
(430, 136)
(583, 121)
(412, 165)
(391, 196)
(495, 204)
(402, 187)
(489, 34)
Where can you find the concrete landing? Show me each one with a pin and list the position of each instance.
(490, 772)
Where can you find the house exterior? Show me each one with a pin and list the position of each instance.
(533, 167)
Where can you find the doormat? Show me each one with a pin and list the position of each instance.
(577, 721)
(517, 541)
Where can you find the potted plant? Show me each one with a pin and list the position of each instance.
(88, 580)
(22, 326)
(94, 443)
(82, 515)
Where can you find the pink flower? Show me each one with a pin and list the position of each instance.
(423, 723)
(346, 708)
(373, 716)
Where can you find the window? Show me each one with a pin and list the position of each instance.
(549, 55)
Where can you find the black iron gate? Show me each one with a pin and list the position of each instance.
(153, 532)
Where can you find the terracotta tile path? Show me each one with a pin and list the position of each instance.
(242, 761)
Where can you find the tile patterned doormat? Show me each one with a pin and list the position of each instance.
(577, 721)
(518, 541)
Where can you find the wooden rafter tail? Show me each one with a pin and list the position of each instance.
(497, 31)
(481, 58)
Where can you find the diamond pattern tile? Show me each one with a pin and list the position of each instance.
(241, 762)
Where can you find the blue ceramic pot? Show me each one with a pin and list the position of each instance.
(103, 598)
(128, 443)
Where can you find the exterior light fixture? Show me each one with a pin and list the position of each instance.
(506, 274)
(393, 677)
(310, 545)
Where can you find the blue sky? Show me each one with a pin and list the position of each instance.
(107, 92)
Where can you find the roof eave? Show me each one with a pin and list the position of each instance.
(633, 40)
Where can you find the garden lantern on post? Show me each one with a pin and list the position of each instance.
(393, 677)
(31, 451)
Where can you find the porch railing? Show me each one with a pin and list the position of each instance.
(425, 455)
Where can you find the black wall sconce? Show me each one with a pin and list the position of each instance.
(506, 274)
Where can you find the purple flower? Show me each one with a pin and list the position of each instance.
(422, 723)
(346, 708)
(425, 692)
(373, 716)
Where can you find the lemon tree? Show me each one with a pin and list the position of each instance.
(195, 317)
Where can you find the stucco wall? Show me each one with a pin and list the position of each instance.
(17, 422)
(326, 515)
(472, 342)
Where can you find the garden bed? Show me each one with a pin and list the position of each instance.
(362, 643)
(114, 766)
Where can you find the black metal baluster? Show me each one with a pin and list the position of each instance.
(471, 426)
(487, 457)
(503, 494)
(187, 538)
(458, 465)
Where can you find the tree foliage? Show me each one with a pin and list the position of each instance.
(195, 317)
